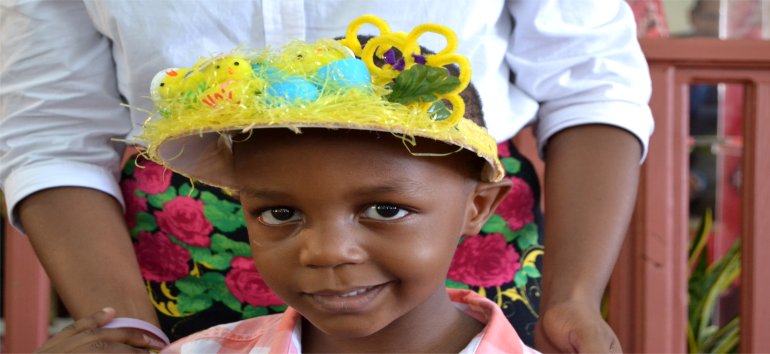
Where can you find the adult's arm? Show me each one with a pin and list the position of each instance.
(591, 179)
(59, 110)
(582, 62)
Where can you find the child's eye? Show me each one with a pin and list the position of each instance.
(278, 216)
(385, 212)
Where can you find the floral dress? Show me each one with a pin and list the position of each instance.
(193, 251)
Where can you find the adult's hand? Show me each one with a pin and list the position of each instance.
(575, 327)
(87, 336)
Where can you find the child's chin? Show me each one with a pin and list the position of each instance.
(348, 329)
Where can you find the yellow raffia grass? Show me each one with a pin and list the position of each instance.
(218, 95)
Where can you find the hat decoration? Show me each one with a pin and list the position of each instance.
(334, 84)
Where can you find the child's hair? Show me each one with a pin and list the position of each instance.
(385, 83)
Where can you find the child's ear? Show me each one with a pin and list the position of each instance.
(486, 198)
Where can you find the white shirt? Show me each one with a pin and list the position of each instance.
(67, 65)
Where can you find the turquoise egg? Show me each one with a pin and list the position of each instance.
(342, 74)
(292, 90)
(267, 72)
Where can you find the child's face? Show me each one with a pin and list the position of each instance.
(349, 228)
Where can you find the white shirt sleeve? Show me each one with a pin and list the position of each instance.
(59, 103)
(581, 61)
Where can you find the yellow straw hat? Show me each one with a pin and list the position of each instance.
(333, 84)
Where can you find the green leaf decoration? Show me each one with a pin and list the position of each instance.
(219, 261)
(421, 83)
(279, 308)
(511, 165)
(188, 191)
(253, 311)
(531, 271)
(224, 215)
(455, 284)
(520, 279)
(144, 222)
(189, 304)
(222, 244)
(495, 224)
(438, 111)
(157, 200)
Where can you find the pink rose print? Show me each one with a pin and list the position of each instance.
(247, 285)
(160, 259)
(152, 178)
(517, 206)
(484, 261)
(134, 203)
(503, 150)
(183, 218)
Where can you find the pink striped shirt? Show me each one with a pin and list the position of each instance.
(279, 333)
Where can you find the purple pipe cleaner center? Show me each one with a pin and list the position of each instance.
(390, 58)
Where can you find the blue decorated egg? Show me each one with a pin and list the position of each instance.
(343, 73)
(292, 90)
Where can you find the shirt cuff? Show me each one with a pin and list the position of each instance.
(25, 181)
(634, 118)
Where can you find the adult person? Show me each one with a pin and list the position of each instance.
(576, 69)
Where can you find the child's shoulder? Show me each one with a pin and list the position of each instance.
(241, 336)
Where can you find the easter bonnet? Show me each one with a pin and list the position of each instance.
(386, 85)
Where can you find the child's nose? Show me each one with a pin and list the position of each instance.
(331, 245)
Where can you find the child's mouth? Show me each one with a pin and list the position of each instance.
(352, 300)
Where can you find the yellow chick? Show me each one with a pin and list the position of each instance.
(168, 83)
(230, 68)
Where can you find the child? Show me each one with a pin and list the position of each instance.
(354, 212)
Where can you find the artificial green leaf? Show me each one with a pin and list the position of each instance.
(421, 83)
(495, 224)
(224, 215)
(279, 308)
(157, 200)
(144, 222)
(220, 243)
(511, 165)
(438, 111)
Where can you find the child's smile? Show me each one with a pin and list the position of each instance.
(350, 300)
